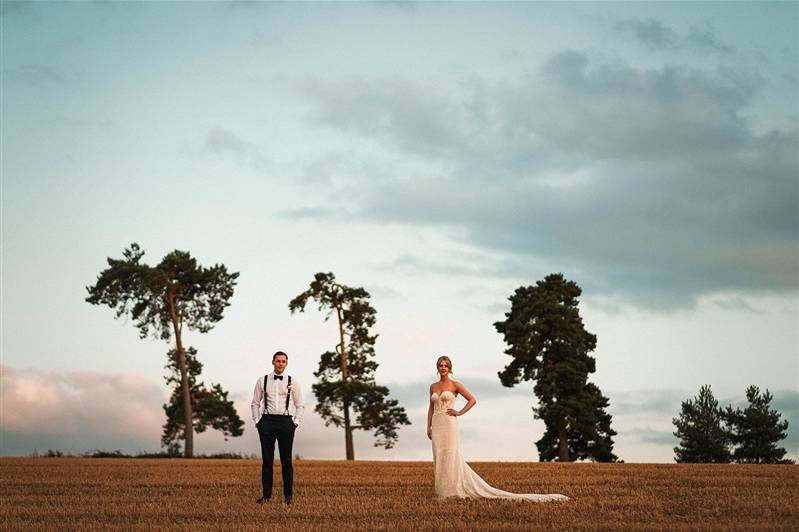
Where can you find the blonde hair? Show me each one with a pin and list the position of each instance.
(446, 359)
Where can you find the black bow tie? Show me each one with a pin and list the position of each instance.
(280, 377)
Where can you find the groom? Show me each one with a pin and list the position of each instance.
(270, 412)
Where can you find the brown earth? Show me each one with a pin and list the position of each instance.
(93, 493)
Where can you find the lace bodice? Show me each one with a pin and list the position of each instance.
(442, 402)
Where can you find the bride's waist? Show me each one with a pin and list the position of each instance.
(442, 413)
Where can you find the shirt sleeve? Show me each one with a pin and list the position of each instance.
(299, 406)
(257, 396)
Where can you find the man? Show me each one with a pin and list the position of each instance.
(270, 412)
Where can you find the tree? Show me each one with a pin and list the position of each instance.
(549, 345)
(755, 430)
(162, 299)
(211, 406)
(700, 428)
(346, 375)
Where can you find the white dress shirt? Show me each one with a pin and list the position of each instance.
(275, 401)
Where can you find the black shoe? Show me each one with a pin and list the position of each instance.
(263, 500)
(288, 500)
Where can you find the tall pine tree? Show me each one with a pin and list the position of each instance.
(756, 430)
(346, 376)
(163, 299)
(549, 345)
(701, 430)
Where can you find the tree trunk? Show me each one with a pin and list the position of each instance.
(345, 373)
(348, 432)
(188, 450)
(563, 445)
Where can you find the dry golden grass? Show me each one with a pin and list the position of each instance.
(91, 493)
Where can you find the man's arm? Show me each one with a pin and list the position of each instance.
(257, 395)
(299, 406)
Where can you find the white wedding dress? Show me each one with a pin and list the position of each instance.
(453, 476)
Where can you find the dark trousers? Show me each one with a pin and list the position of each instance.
(273, 428)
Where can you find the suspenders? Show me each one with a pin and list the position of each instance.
(288, 396)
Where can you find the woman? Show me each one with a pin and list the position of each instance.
(453, 477)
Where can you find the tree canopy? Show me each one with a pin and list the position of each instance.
(548, 344)
(756, 430)
(701, 431)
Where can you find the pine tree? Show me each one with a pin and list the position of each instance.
(549, 345)
(211, 406)
(346, 376)
(162, 299)
(701, 430)
(755, 430)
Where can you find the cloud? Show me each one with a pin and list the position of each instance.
(650, 33)
(245, 5)
(643, 184)
(664, 402)
(37, 75)
(221, 140)
(78, 411)
(8, 7)
(704, 37)
(651, 436)
(653, 34)
(405, 6)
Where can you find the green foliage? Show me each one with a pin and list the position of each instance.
(200, 295)
(346, 376)
(97, 453)
(700, 428)
(589, 434)
(164, 454)
(548, 344)
(755, 431)
(211, 406)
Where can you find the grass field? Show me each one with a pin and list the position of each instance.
(88, 493)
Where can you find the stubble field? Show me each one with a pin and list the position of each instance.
(91, 493)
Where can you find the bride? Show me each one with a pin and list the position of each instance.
(453, 476)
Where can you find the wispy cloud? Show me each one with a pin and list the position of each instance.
(37, 75)
(220, 140)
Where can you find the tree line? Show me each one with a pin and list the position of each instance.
(709, 433)
(544, 333)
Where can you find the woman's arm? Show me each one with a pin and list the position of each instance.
(430, 413)
(470, 400)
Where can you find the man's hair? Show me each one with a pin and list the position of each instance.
(279, 354)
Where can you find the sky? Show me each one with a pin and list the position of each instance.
(440, 155)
